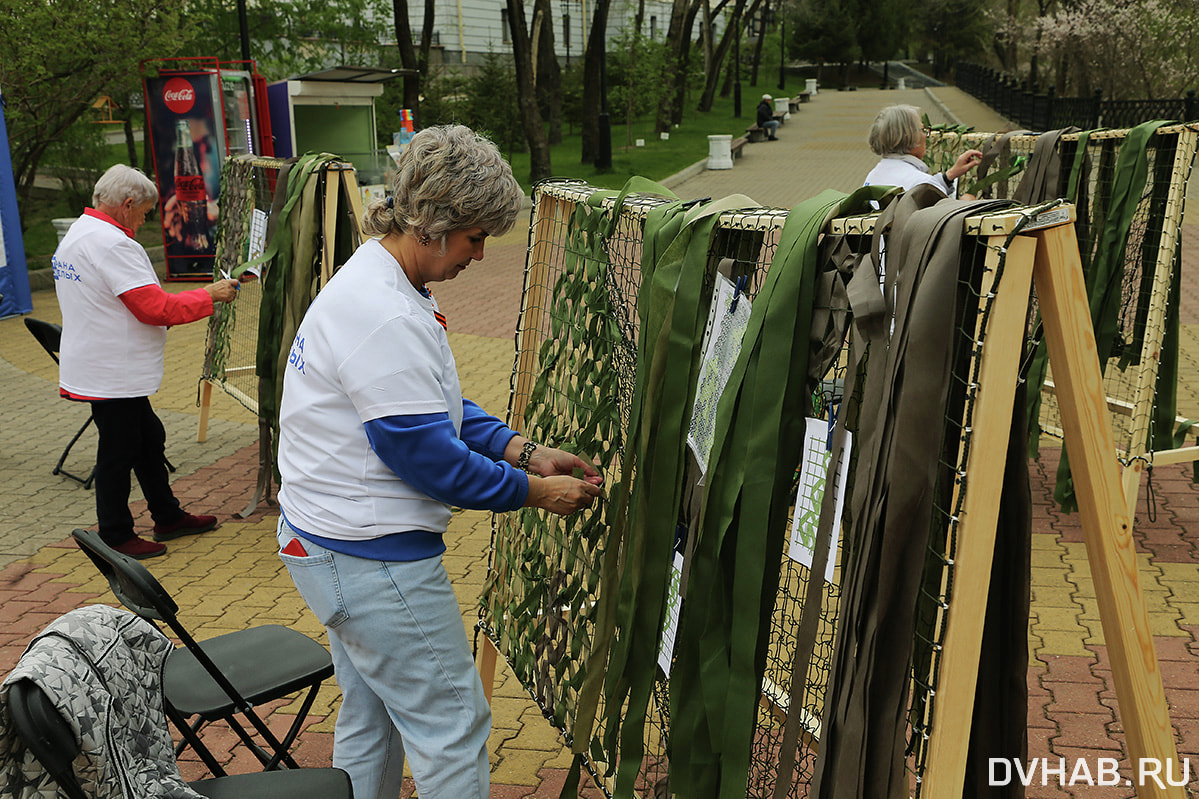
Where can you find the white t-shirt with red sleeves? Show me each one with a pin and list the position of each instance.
(106, 353)
(369, 347)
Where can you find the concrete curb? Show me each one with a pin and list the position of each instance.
(685, 174)
(944, 109)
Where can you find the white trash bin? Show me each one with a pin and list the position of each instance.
(720, 151)
(782, 105)
(901, 83)
(61, 226)
(810, 86)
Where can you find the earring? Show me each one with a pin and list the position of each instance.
(423, 239)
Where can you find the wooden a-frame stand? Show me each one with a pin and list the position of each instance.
(1046, 254)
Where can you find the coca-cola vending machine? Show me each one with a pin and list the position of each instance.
(197, 115)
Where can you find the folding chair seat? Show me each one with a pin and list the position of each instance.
(49, 335)
(224, 677)
(51, 740)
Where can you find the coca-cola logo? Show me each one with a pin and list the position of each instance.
(179, 95)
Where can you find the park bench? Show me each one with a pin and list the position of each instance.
(755, 134)
(794, 102)
(736, 145)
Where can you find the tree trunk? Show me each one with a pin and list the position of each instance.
(730, 74)
(706, 35)
(680, 82)
(549, 73)
(713, 76)
(130, 145)
(526, 93)
(408, 58)
(753, 74)
(426, 45)
(676, 38)
(593, 89)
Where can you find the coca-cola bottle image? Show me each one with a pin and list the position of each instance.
(191, 197)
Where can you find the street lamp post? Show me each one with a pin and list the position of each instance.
(243, 27)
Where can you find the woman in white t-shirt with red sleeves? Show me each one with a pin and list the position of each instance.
(115, 316)
(376, 444)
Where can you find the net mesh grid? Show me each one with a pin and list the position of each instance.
(539, 600)
(1149, 260)
(247, 186)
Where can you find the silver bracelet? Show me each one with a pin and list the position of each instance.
(522, 461)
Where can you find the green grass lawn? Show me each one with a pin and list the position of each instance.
(658, 159)
(40, 237)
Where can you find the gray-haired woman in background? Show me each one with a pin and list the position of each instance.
(376, 444)
(115, 316)
(899, 136)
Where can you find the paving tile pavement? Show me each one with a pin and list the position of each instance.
(231, 577)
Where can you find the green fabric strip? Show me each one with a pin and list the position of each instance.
(672, 308)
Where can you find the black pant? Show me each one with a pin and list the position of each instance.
(131, 438)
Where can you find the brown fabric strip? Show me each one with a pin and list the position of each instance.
(1042, 175)
(809, 624)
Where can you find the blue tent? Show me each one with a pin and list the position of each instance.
(14, 279)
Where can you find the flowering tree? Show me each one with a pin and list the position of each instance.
(1142, 49)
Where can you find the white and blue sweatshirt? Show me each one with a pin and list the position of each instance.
(376, 442)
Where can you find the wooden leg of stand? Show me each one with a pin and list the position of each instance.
(1106, 526)
(205, 406)
(1000, 363)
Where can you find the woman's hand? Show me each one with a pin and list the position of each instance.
(966, 161)
(548, 461)
(560, 494)
(222, 290)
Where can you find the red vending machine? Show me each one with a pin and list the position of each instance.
(199, 112)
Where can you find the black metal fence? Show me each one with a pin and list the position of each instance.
(1023, 104)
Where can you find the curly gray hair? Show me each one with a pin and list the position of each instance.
(123, 182)
(896, 130)
(448, 178)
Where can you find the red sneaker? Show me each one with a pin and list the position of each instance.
(188, 525)
(139, 548)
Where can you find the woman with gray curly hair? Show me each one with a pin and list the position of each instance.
(376, 445)
(898, 135)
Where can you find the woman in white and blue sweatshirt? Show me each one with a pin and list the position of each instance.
(376, 443)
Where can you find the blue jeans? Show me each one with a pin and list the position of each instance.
(772, 127)
(407, 679)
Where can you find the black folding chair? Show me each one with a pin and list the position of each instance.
(49, 335)
(47, 735)
(224, 677)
